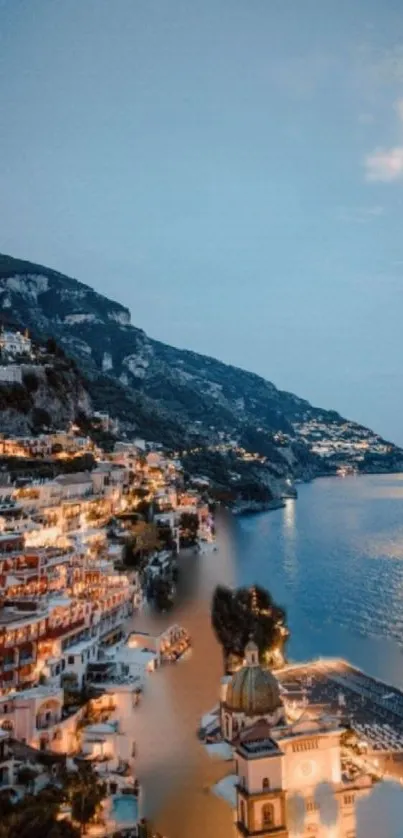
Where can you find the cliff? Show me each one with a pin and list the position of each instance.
(51, 394)
(179, 397)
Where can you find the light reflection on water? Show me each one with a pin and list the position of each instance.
(333, 558)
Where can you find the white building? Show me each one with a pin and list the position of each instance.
(15, 343)
(289, 779)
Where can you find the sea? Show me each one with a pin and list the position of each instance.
(333, 558)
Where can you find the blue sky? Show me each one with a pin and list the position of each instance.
(232, 170)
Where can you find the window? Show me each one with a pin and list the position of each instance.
(348, 799)
(265, 783)
(267, 815)
(308, 745)
(242, 810)
(311, 806)
(70, 659)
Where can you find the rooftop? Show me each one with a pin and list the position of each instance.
(258, 741)
(71, 479)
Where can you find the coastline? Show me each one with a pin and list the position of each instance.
(254, 507)
(245, 507)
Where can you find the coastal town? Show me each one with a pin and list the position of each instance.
(93, 530)
(81, 553)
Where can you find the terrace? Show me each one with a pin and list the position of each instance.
(372, 709)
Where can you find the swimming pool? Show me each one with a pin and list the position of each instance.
(125, 808)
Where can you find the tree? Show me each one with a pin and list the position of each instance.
(144, 540)
(188, 528)
(244, 613)
(166, 536)
(35, 816)
(161, 591)
(40, 419)
(85, 794)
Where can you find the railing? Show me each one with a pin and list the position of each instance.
(14, 641)
(59, 631)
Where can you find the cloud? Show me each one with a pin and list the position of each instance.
(359, 215)
(386, 165)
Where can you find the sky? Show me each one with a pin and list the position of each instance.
(231, 170)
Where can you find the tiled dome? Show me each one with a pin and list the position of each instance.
(253, 691)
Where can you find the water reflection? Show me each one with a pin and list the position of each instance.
(289, 534)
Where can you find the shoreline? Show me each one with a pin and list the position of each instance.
(280, 503)
(245, 507)
(255, 507)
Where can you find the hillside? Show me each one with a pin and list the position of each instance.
(51, 393)
(178, 396)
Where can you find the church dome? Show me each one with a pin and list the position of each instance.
(253, 690)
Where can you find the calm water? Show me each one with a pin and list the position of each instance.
(334, 558)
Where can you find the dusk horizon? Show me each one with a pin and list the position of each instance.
(201, 443)
(231, 173)
(156, 337)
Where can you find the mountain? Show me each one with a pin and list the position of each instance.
(50, 393)
(177, 396)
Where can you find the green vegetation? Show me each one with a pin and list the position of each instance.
(15, 397)
(231, 477)
(238, 615)
(144, 540)
(35, 816)
(40, 419)
(188, 529)
(85, 794)
(161, 593)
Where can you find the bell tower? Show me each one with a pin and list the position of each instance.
(261, 799)
(251, 654)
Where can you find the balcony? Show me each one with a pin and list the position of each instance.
(61, 630)
(29, 632)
